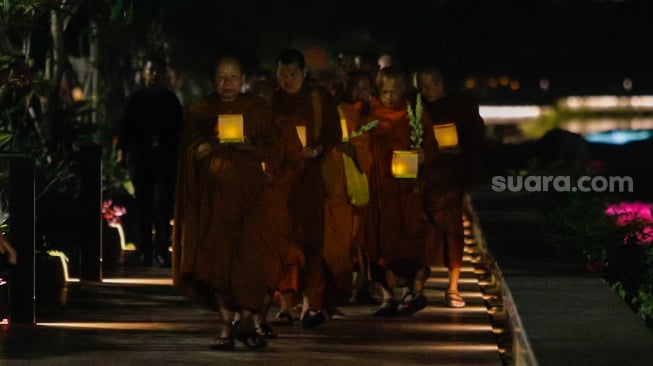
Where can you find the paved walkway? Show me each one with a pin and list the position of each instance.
(123, 321)
(561, 313)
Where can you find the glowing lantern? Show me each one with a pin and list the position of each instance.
(343, 127)
(78, 94)
(230, 128)
(404, 163)
(446, 135)
(301, 133)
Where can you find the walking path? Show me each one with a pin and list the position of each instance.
(559, 313)
(124, 321)
(526, 306)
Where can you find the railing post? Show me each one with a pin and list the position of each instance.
(22, 290)
(90, 225)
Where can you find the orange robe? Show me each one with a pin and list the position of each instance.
(396, 223)
(284, 171)
(219, 236)
(307, 196)
(341, 218)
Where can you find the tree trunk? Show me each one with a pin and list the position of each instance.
(52, 125)
(94, 56)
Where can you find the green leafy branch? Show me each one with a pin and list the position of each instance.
(415, 121)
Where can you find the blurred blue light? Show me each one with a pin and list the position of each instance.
(619, 137)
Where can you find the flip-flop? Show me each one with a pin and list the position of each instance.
(282, 318)
(454, 300)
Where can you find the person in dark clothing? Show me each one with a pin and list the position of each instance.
(456, 169)
(148, 142)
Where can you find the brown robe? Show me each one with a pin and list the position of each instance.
(284, 171)
(396, 223)
(342, 220)
(449, 175)
(307, 196)
(219, 239)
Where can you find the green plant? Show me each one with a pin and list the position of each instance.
(115, 178)
(644, 300)
(581, 227)
(619, 251)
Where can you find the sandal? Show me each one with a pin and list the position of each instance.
(333, 313)
(411, 304)
(454, 300)
(265, 330)
(251, 340)
(282, 318)
(312, 318)
(387, 309)
(223, 344)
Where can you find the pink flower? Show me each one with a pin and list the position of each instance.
(112, 213)
(634, 213)
(629, 211)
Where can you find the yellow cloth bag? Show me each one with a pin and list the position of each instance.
(357, 187)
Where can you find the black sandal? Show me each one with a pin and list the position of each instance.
(223, 343)
(251, 340)
(312, 318)
(265, 330)
(411, 303)
(387, 309)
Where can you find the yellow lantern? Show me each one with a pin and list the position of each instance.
(404, 163)
(230, 128)
(301, 133)
(447, 136)
(78, 94)
(343, 127)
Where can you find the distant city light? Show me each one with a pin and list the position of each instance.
(619, 137)
(586, 126)
(544, 84)
(642, 102)
(497, 114)
(470, 83)
(509, 112)
(608, 102)
(628, 84)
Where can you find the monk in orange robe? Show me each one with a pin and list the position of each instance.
(312, 109)
(220, 255)
(396, 223)
(343, 218)
(283, 174)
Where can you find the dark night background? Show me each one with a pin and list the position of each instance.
(582, 47)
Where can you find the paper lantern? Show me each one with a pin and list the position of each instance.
(447, 136)
(301, 132)
(405, 163)
(230, 128)
(343, 127)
